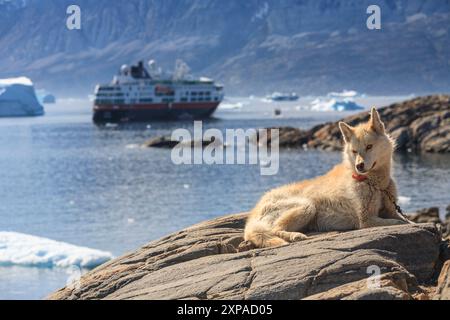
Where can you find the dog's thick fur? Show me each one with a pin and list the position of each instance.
(346, 198)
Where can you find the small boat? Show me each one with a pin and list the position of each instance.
(278, 96)
(137, 94)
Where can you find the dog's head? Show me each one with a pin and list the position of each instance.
(367, 146)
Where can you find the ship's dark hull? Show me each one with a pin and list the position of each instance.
(153, 112)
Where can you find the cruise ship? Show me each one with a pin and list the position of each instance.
(144, 94)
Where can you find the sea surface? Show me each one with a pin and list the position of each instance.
(65, 179)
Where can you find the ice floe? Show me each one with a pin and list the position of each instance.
(27, 250)
(335, 105)
(344, 94)
(404, 200)
(237, 105)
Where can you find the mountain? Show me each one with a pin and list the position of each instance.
(252, 46)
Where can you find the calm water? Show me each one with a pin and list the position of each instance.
(65, 179)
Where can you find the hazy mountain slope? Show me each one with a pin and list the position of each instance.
(253, 46)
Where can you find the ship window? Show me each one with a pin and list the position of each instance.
(194, 93)
(184, 99)
(200, 99)
(208, 93)
(200, 93)
(216, 99)
(208, 99)
(194, 100)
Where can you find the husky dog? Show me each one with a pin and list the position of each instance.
(357, 193)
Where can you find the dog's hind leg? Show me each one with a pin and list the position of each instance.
(290, 224)
(258, 233)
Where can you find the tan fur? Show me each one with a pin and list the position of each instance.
(335, 201)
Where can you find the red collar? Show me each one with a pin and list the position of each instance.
(359, 177)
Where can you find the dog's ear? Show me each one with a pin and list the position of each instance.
(375, 122)
(347, 131)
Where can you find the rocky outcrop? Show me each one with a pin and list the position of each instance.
(431, 215)
(166, 142)
(421, 124)
(418, 125)
(202, 262)
(443, 287)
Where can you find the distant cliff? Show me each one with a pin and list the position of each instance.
(253, 46)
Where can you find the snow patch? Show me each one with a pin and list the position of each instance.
(27, 250)
(262, 12)
(20, 80)
(416, 17)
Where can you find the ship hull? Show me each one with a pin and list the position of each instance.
(153, 112)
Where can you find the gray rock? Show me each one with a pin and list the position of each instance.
(392, 286)
(160, 142)
(202, 262)
(166, 142)
(431, 215)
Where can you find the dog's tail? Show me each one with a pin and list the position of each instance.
(260, 235)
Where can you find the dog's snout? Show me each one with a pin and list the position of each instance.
(360, 166)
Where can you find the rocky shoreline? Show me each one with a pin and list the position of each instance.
(203, 262)
(418, 125)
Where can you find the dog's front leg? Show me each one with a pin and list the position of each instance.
(369, 217)
(380, 222)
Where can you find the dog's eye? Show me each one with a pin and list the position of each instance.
(369, 147)
(354, 151)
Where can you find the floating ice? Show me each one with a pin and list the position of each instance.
(26, 250)
(335, 105)
(237, 105)
(18, 98)
(404, 200)
(45, 98)
(344, 94)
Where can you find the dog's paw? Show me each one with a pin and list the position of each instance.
(246, 246)
(297, 236)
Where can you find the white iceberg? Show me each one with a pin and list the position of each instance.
(26, 250)
(18, 98)
(344, 94)
(335, 105)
